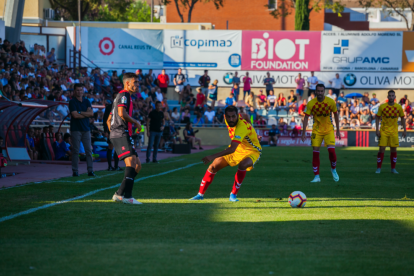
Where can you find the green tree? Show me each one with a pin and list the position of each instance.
(184, 5)
(302, 9)
(135, 12)
(400, 7)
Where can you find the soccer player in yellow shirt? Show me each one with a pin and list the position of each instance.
(244, 152)
(321, 108)
(388, 113)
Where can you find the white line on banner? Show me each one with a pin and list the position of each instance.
(88, 194)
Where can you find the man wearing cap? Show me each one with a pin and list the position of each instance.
(374, 98)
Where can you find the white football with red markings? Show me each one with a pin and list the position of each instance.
(297, 199)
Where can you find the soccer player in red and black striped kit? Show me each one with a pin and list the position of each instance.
(120, 126)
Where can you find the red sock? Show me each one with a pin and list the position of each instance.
(332, 156)
(393, 158)
(316, 162)
(238, 179)
(207, 179)
(380, 157)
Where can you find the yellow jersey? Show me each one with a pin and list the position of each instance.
(389, 120)
(322, 115)
(244, 134)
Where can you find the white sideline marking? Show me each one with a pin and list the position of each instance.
(87, 194)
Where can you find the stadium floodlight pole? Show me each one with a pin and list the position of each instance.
(80, 44)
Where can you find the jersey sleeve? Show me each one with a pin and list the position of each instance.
(379, 113)
(240, 133)
(400, 111)
(334, 109)
(308, 109)
(124, 101)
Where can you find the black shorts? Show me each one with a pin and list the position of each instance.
(198, 109)
(164, 89)
(124, 147)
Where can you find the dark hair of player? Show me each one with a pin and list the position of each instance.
(66, 136)
(77, 85)
(129, 76)
(231, 108)
(391, 91)
(320, 85)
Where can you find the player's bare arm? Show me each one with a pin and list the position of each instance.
(377, 120)
(338, 133)
(305, 125)
(148, 124)
(233, 146)
(123, 113)
(108, 122)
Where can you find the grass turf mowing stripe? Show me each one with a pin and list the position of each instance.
(88, 194)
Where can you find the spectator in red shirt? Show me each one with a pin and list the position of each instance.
(302, 108)
(260, 122)
(163, 81)
(261, 100)
(199, 107)
(403, 100)
(408, 108)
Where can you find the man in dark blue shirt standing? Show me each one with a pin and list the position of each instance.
(81, 111)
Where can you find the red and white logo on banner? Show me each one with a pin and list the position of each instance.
(284, 51)
(106, 46)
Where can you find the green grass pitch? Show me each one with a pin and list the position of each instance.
(362, 225)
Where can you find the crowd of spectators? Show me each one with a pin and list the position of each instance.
(30, 72)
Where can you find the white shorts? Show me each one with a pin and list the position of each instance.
(179, 88)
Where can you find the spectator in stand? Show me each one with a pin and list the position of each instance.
(281, 101)
(63, 151)
(403, 100)
(236, 86)
(51, 56)
(261, 100)
(344, 124)
(294, 127)
(249, 101)
(342, 99)
(247, 82)
(189, 136)
(179, 80)
(331, 95)
(204, 81)
(282, 126)
(163, 81)
(292, 100)
(269, 82)
(355, 112)
(312, 82)
(336, 84)
(175, 115)
(302, 108)
(55, 144)
(374, 98)
(260, 122)
(407, 109)
(30, 144)
(200, 102)
(365, 119)
(354, 124)
(155, 128)
(271, 100)
(170, 134)
(219, 117)
(209, 116)
(230, 100)
(363, 106)
(117, 86)
(212, 92)
(252, 114)
(344, 110)
(159, 96)
(300, 83)
(185, 116)
(149, 80)
(274, 134)
(198, 120)
(408, 123)
(81, 111)
(365, 98)
(374, 108)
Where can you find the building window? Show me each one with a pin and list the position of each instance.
(272, 4)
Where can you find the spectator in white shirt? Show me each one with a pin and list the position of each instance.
(331, 95)
(355, 110)
(312, 82)
(159, 95)
(209, 115)
(271, 100)
(336, 84)
(311, 96)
